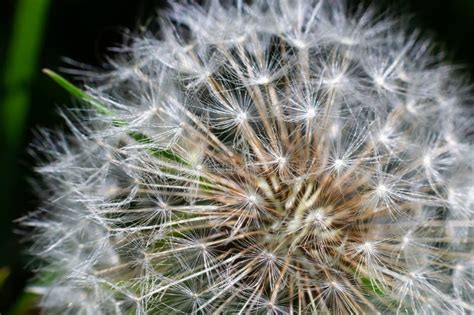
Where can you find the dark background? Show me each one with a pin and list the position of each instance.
(84, 30)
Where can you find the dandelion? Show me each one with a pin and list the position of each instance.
(262, 157)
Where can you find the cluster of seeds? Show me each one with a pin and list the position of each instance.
(271, 157)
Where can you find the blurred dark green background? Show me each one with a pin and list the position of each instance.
(36, 34)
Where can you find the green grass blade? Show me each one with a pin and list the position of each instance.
(76, 92)
(82, 95)
(20, 65)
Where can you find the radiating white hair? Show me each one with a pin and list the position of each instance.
(263, 157)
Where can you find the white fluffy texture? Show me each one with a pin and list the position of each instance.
(276, 157)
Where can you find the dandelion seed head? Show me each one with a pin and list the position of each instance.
(265, 156)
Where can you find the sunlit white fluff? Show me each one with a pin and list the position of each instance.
(263, 157)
